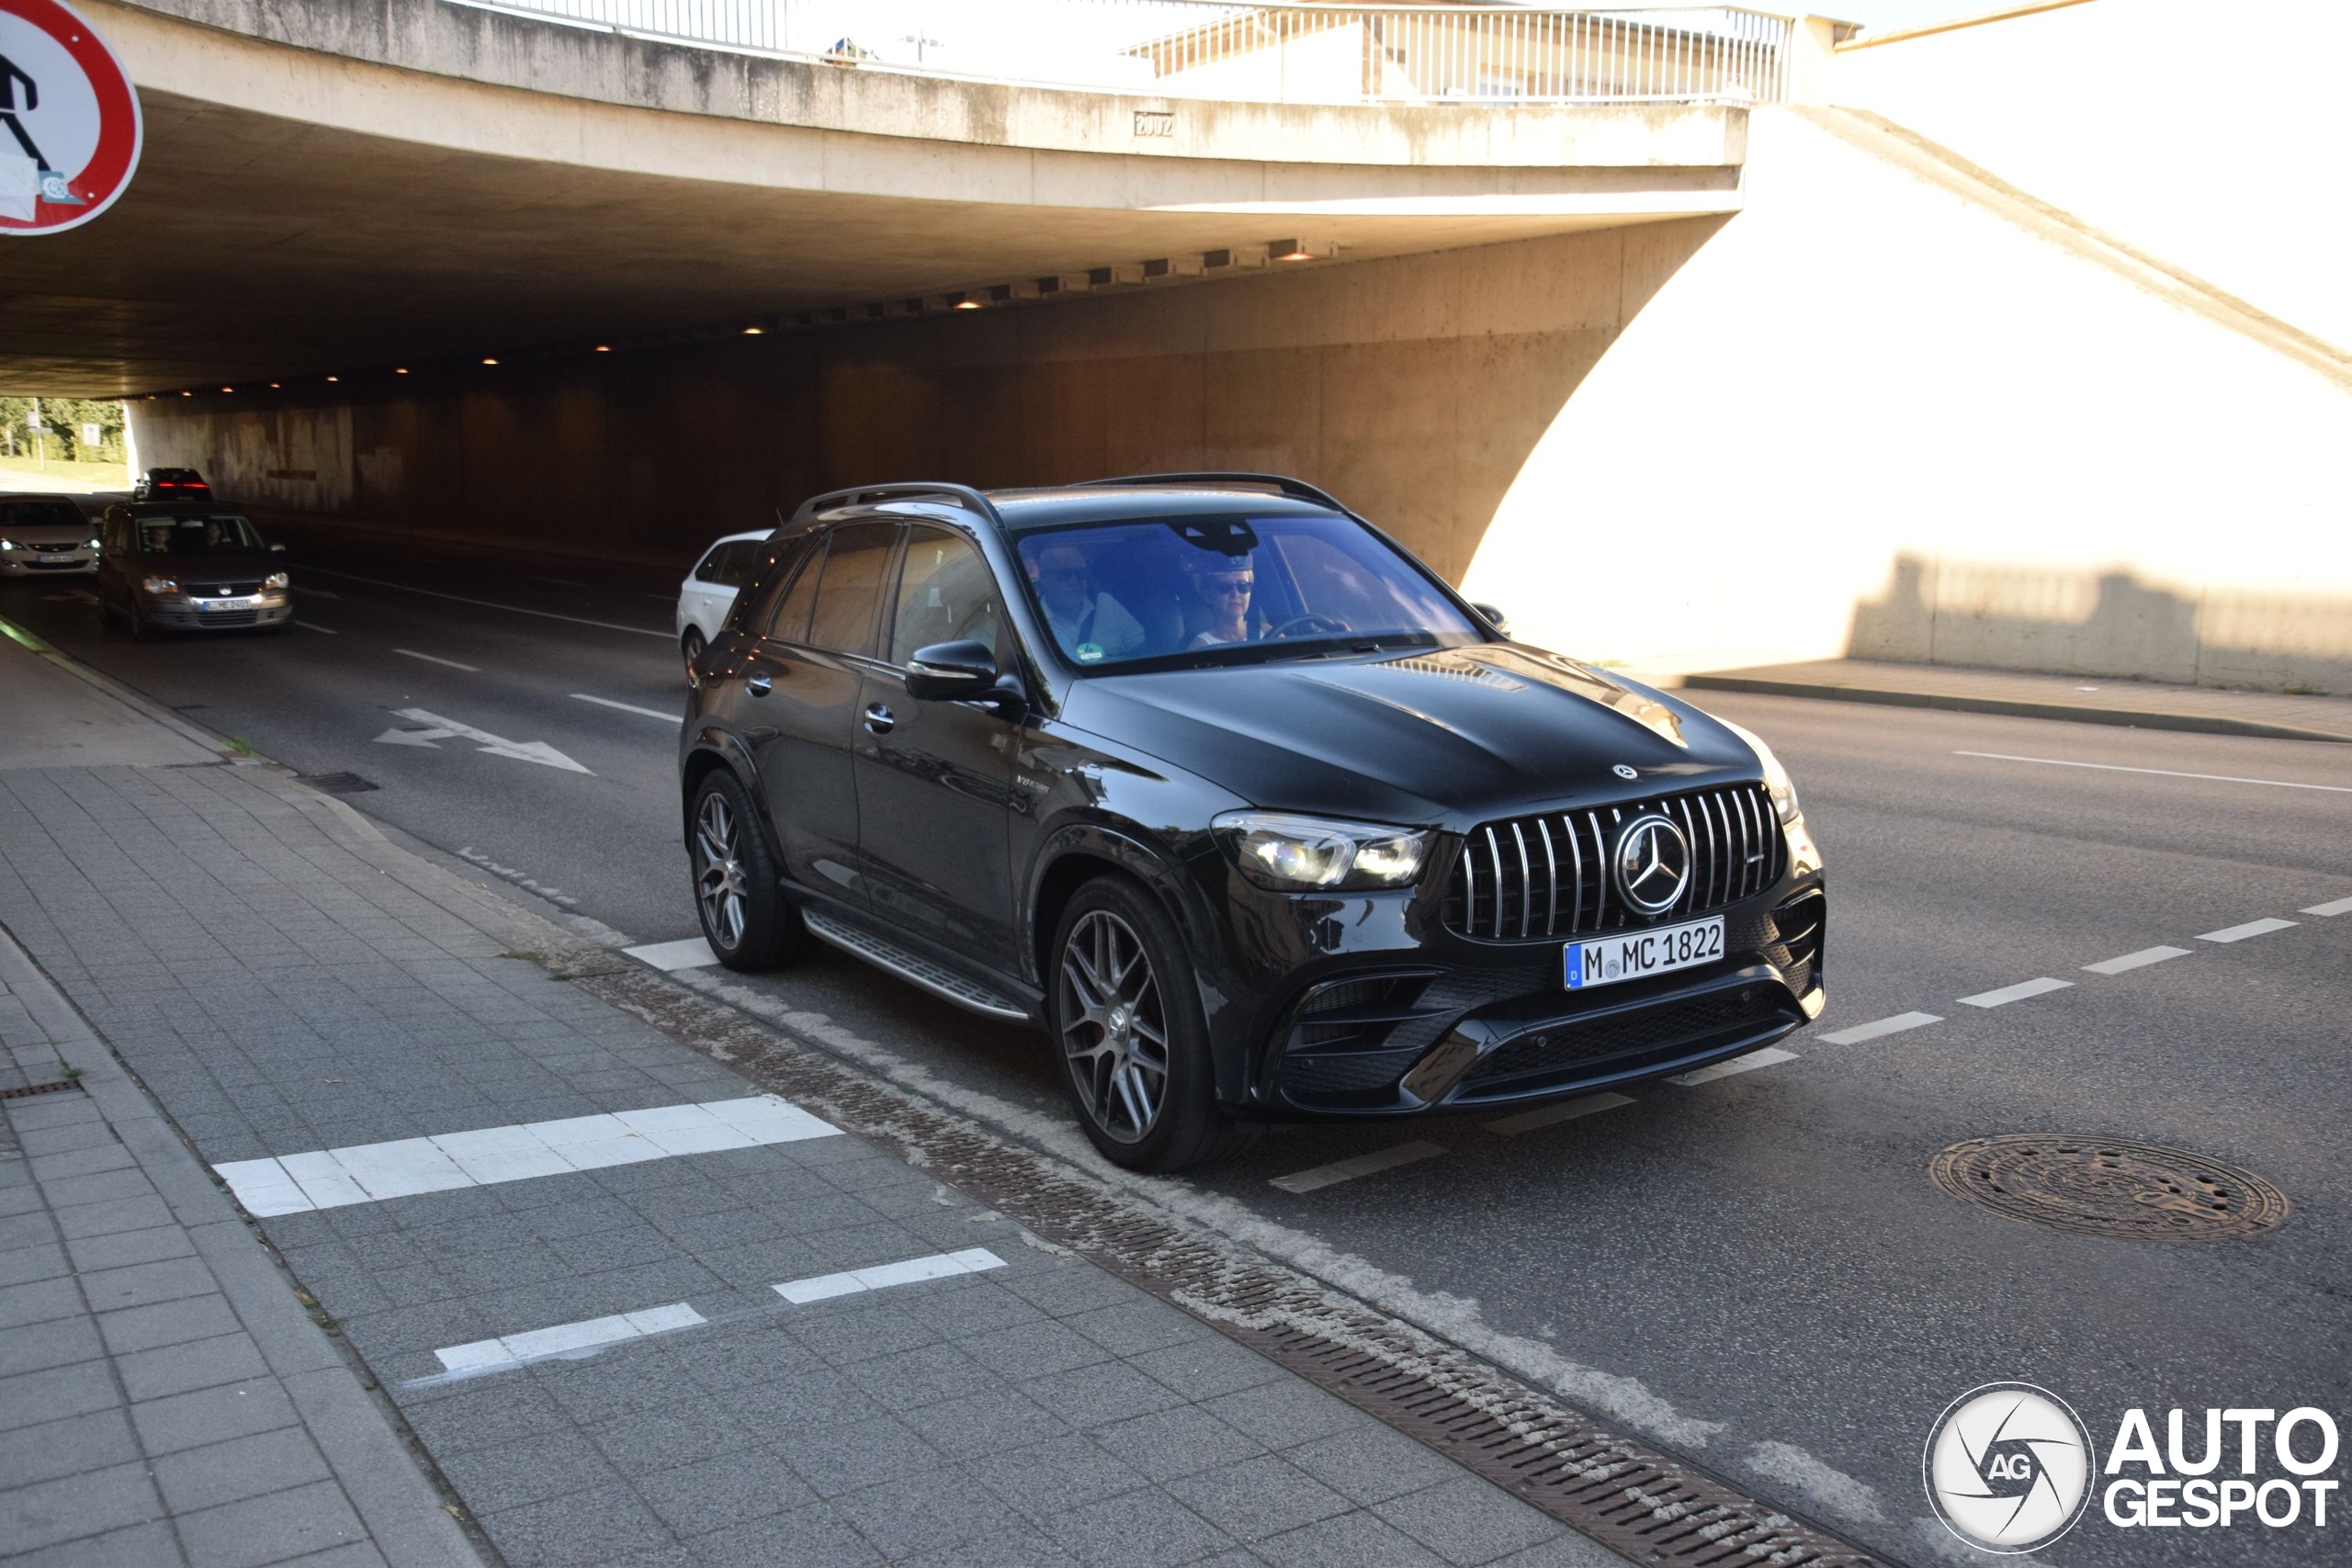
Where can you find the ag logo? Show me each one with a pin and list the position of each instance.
(2007, 1468)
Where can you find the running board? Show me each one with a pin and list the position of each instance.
(915, 969)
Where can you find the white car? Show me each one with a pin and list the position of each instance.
(45, 534)
(708, 593)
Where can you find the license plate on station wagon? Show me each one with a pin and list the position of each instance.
(1630, 955)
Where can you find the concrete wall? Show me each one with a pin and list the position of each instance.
(1873, 417)
(2208, 136)
(1414, 386)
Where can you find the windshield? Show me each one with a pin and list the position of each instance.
(195, 533)
(1230, 589)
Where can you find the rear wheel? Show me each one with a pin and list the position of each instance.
(1128, 1032)
(691, 645)
(744, 916)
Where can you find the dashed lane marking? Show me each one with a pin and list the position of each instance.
(1874, 1030)
(2016, 993)
(1362, 1165)
(315, 627)
(490, 604)
(2158, 773)
(559, 581)
(1549, 1115)
(1771, 1057)
(2252, 928)
(939, 1266)
(436, 658)
(576, 1341)
(365, 1173)
(2340, 906)
(2139, 960)
(694, 952)
(567, 1339)
(628, 708)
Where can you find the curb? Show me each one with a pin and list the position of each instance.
(2011, 707)
(128, 696)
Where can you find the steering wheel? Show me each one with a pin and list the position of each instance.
(1301, 625)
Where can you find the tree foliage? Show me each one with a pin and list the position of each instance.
(64, 419)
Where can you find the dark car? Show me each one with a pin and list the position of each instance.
(42, 535)
(1245, 807)
(171, 484)
(188, 566)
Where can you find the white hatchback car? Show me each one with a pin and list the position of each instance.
(709, 591)
(45, 534)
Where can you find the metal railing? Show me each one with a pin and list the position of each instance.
(1278, 52)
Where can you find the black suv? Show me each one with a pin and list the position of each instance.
(1258, 820)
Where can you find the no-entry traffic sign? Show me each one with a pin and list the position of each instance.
(69, 119)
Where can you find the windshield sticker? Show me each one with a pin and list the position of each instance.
(1087, 652)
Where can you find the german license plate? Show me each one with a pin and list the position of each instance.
(203, 604)
(1629, 955)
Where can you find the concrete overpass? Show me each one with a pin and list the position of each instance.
(330, 187)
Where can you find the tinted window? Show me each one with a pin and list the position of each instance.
(728, 565)
(39, 514)
(791, 622)
(849, 592)
(195, 533)
(946, 593)
(1225, 589)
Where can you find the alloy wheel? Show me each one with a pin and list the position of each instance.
(1114, 1026)
(719, 870)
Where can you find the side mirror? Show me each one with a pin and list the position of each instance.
(951, 672)
(1500, 621)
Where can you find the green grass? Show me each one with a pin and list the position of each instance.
(99, 476)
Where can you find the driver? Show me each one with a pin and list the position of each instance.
(1224, 585)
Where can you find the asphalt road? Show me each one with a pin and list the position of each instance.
(1756, 1270)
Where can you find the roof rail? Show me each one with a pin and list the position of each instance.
(963, 496)
(1298, 490)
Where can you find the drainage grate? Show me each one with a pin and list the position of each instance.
(1641, 1502)
(336, 784)
(2109, 1187)
(23, 1091)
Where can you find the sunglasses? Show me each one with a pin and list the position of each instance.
(1228, 584)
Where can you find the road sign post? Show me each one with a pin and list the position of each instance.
(70, 128)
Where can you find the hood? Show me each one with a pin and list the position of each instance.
(1449, 737)
(212, 568)
(48, 532)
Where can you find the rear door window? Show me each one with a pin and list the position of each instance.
(849, 594)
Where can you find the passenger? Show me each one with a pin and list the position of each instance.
(1224, 585)
(1090, 627)
(159, 538)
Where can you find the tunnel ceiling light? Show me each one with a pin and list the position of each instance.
(400, 369)
(754, 331)
(334, 377)
(1299, 250)
(188, 394)
(488, 359)
(603, 348)
(228, 388)
(272, 384)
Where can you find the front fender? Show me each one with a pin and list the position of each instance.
(720, 743)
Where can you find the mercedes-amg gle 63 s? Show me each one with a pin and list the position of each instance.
(1255, 818)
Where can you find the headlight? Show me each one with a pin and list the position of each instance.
(94, 543)
(1776, 782)
(1293, 854)
(7, 543)
(160, 585)
(275, 579)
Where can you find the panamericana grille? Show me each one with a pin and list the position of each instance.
(226, 590)
(1531, 877)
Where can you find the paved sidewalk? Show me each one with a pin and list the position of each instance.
(2146, 705)
(633, 1311)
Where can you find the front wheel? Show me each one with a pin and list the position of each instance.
(1128, 1032)
(691, 644)
(744, 916)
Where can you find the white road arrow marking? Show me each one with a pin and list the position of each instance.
(439, 728)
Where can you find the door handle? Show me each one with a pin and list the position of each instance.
(879, 719)
(759, 685)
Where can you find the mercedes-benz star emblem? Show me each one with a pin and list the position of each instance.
(1626, 771)
(1653, 863)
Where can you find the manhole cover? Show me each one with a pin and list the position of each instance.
(2109, 1187)
(335, 783)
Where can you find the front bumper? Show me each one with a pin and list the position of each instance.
(217, 615)
(41, 563)
(1424, 1021)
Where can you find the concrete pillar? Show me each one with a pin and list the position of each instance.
(1812, 42)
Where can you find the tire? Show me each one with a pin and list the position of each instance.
(140, 631)
(1119, 976)
(745, 915)
(691, 644)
